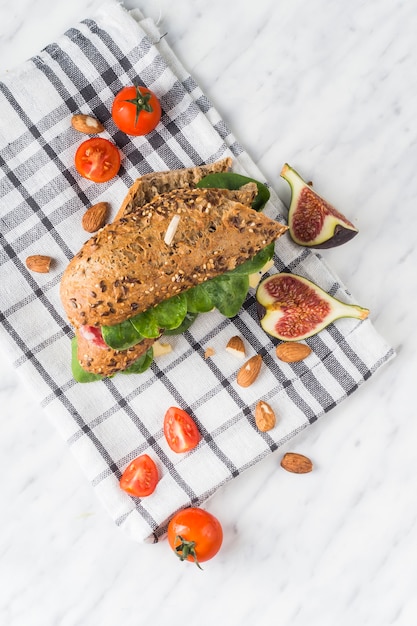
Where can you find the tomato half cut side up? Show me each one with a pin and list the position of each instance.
(140, 477)
(97, 159)
(180, 430)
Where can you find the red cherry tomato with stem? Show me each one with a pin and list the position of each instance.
(180, 430)
(140, 477)
(195, 535)
(136, 110)
(97, 159)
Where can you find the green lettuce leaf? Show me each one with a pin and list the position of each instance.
(141, 364)
(171, 313)
(228, 292)
(185, 324)
(198, 300)
(121, 336)
(145, 324)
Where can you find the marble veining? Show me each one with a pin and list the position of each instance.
(330, 88)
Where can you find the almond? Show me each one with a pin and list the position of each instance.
(159, 348)
(248, 373)
(236, 347)
(290, 352)
(86, 124)
(95, 217)
(264, 416)
(296, 463)
(38, 263)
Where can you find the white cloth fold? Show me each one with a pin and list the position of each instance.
(42, 200)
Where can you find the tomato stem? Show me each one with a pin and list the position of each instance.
(141, 102)
(186, 549)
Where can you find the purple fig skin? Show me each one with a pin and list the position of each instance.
(261, 310)
(313, 222)
(341, 235)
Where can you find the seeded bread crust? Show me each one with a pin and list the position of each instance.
(127, 268)
(145, 188)
(106, 361)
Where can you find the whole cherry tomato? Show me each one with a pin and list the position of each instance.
(195, 535)
(97, 159)
(136, 110)
(140, 477)
(180, 430)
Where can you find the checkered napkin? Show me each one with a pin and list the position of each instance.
(42, 200)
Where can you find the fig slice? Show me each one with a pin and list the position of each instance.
(312, 221)
(292, 308)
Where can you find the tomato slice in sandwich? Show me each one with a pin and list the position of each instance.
(94, 335)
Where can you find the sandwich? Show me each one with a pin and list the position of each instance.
(176, 249)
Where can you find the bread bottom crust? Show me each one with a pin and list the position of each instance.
(106, 361)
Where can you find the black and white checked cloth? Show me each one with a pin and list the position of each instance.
(42, 200)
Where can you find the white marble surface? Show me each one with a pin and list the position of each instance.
(330, 87)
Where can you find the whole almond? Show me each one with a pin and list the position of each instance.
(86, 124)
(296, 463)
(39, 263)
(264, 416)
(95, 217)
(290, 352)
(236, 347)
(248, 373)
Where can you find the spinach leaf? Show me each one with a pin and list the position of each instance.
(170, 313)
(141, 364)
(185, 325)
(145, 324)
(228, 292)
(121, 336)
(198, 300)
(231, 180)
(79, 374)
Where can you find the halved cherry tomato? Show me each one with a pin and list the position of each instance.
(195, 535)
(140, 477)
(136, 110)
(97, 159)
(180, 430)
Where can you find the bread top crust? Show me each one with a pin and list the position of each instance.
(127, 267)
(145, 188)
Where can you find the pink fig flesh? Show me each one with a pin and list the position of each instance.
(313, 222)
(294, 308)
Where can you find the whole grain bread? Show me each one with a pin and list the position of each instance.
(106, 361)
(127, 267)
(145, 188)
